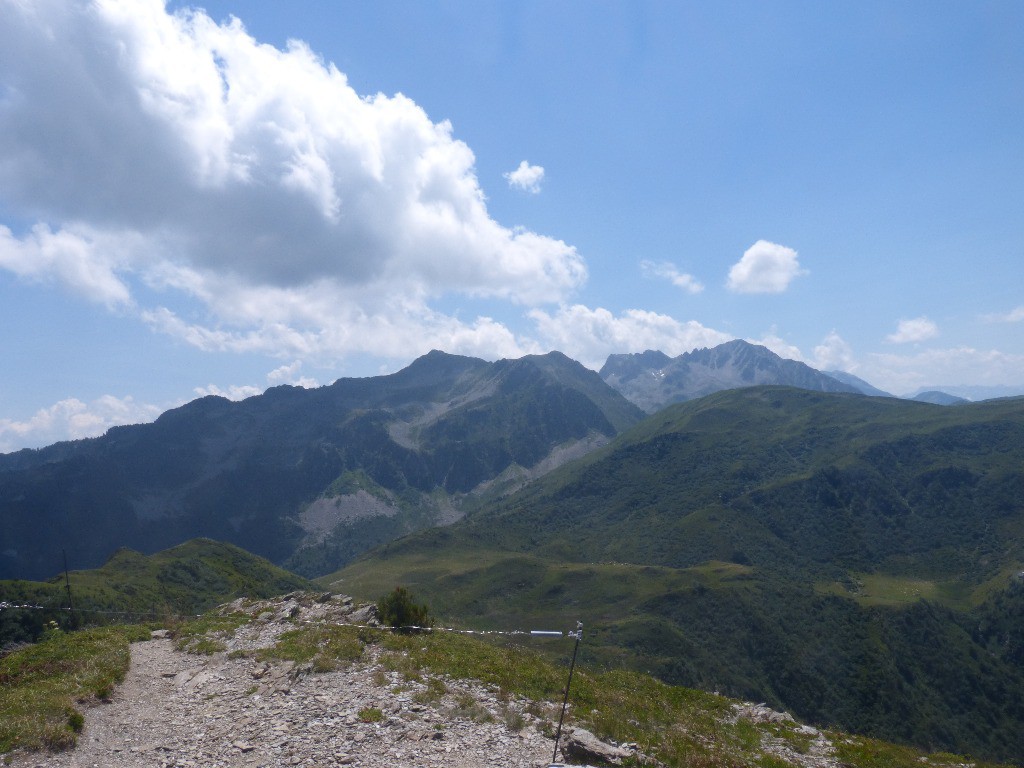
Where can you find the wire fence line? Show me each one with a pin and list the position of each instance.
(5, 605)
(453, 630)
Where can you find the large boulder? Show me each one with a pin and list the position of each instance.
(581, 744)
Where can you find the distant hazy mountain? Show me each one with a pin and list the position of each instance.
(310, 478)
(858, 383)
(973, 393)
(653, 380)
(939, 398)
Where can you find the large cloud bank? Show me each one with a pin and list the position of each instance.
(269, 204)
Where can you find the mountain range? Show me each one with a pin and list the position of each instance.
(306, 478)
(312, 478)
(856, 559)
(653, 380)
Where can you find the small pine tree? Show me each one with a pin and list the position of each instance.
(398, 609)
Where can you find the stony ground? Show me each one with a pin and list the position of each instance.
(180, 709)
(190, 710)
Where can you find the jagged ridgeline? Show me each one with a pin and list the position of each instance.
(306, 478)
(856, 560)
(131, 587)
(653, 380)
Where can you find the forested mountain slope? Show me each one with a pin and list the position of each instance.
(854, 559)
(306, 477)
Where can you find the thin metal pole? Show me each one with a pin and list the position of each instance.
(578, 634)
(67, 585)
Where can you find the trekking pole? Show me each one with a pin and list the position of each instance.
(578, 634)
(67, 585)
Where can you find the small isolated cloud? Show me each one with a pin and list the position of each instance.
(1015, 315)
(73, 419)
(834, 354)
(232, 392)
(289, 374)
(667, 271)
(764, 268)
(285, 374)
(917, 329)
(779, 346)
(590, 335)
(526, 177)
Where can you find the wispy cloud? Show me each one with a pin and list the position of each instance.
(765, 268)
(668, 271)
(1015, 315)
(913, 330)
(526, 177)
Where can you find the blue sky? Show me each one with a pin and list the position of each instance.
(192, 205)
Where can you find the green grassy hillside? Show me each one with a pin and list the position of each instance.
(47, 689)
(852, 559)
(186, 579)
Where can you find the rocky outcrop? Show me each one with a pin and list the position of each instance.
(580, 744)
(818, 751)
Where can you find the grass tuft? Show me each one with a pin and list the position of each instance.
(371, 715)
(40, 685)
(326, 648)
(206, 634)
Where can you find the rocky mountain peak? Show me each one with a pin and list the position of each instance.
(653, 380)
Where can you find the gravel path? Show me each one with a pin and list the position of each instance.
(177, 709)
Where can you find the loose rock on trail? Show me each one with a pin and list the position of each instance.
(237, 708)
(185, 710)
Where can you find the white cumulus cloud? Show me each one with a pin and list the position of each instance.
(79, 259)
(289, 374)
(834, 354)
(590, 335)
(784, 349)
(232, 392)
(274, 206)
(668, 271)
(526, 177)
(284, 374)
(913, 330)
(72, 419)
(764, 268)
